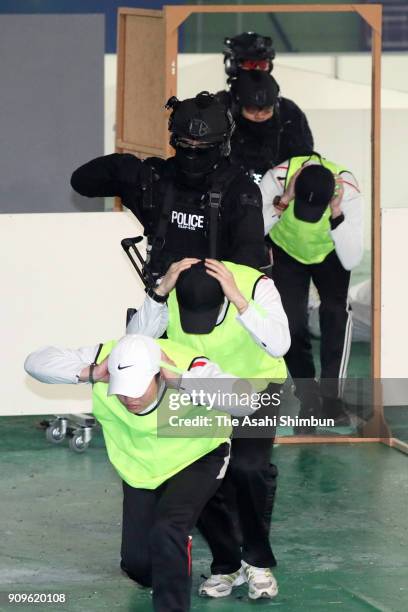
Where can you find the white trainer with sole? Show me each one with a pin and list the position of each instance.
(261, 582)
(221, 585)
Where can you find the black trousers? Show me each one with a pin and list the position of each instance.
(156, 547)
(292, 279)
(248, 493)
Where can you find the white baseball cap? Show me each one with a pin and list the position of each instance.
(132, 364)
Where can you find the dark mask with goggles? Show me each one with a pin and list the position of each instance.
(248, 51)
(264, 65)
(201, 129)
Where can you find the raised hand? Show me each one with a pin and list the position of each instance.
(169, 280)
(101, 372)
(170, 374)
(337, 198)
(219, 271)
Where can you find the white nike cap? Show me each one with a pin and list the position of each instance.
(132, 364)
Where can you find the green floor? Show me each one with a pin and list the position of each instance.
(340, 528)
(359, 368)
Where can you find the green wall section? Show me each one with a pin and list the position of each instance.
(307, 33)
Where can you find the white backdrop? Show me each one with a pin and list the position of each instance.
(65, 281)
(394, 299)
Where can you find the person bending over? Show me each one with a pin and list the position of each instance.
(313, 214)
(167, 478)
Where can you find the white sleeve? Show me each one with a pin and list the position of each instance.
(266, 320)
(150, 320)
(272, 185)
(55, 365)
(206, 379)
(348, 237)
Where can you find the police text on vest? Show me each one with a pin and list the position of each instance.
(189, 221)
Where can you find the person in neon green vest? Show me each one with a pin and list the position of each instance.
(233, 313)
(313, 215)
(167, 478)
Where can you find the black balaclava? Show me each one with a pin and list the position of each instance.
(262, 130)
(196, 163)
(256, 144)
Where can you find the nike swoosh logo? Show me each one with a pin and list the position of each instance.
(124, 367)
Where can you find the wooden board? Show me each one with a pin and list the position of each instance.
(141, 117)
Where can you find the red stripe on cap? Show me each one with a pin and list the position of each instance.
(199, 363)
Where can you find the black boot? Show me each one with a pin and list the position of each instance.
(334, 408)
(307, 391)
(310, 405)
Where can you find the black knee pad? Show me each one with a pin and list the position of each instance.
(244, 472)
(137, 570)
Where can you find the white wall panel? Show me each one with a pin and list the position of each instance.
(65, 281)
(394, 298)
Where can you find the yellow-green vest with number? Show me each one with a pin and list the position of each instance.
(309, 243)
(229, 344)
(137, 445)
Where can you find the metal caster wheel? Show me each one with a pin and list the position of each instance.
(54, 433)
(77, 443)
(77, 428)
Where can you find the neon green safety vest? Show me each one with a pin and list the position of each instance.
(229, 344)
(309, 243)
(143, 458)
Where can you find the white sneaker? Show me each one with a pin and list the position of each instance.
(261, 581)
(221, 585)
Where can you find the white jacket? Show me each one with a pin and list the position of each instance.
(348, 236)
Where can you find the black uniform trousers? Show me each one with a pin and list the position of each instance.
(292, 279)
(156, 545)
(248, 492)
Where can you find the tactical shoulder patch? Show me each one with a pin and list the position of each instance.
(250, 199)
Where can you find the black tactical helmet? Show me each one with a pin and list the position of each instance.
(255, 88)
(247, 46)
(203, 119)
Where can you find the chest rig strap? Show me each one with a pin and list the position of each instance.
(159, 238)
(216, 193)
(215, 198)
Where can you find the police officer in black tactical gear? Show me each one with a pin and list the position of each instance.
(195, 204)
(270, 129)
(256, 144)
